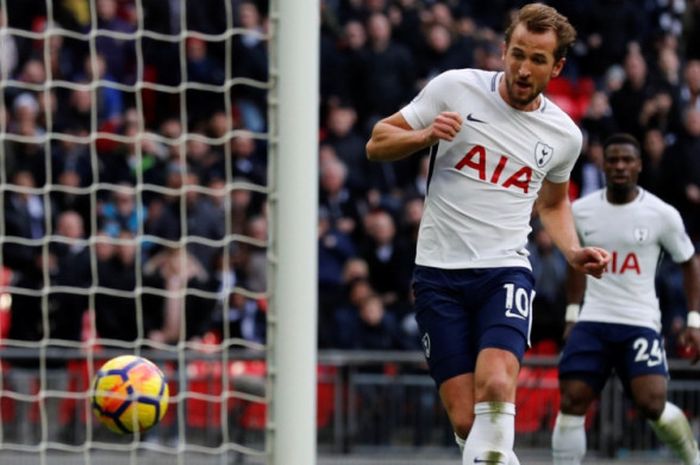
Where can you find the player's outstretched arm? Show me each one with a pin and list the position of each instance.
(554, 209)
(393, 138)
(691, 283)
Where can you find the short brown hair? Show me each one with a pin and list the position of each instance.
(538, 17)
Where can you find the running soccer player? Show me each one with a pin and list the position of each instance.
(497, 145)
(619, 324)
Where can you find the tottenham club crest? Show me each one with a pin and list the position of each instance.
(543, 153)
(426, 344)
(641, 234)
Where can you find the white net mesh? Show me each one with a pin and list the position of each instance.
(133, 183)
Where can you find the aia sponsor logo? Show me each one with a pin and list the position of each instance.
(621, 265)
(478, 160)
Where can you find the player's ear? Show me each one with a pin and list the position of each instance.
(504, 48)
(558, 66)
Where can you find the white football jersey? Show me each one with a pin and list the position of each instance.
(635, 234)
(483, 184)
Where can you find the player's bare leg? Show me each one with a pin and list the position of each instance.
(569, 435)
(457, 396)
(666, 419)
(491, 438)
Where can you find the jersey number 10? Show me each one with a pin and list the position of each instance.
(518, 301)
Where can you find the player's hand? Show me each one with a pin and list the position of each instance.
(567, 329)
(690, 339)
(445, 126)
(590, 260)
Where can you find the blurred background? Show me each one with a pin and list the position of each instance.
(130, 163)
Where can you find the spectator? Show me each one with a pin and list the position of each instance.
(591, 168)
(67, 195)
(69, 266)
(246, 160)
(366, 324)
(338, 199)
(388, 257)
(8, 48)
(628, 102)
(32, 72)
(116, 316)
(609, 27)
(244, 205)
(26, 156)
(119, 54)
(202, 68)
(691, 32)
(390, 77)
(249, 53)
(110, 102)
(76, 113)
(341, 333)
(25, 217)
(351, 56)
(689, 179)
(160, 222)
(64, 60)
(120, 212)
(349, 145)
(443, 51)
(254, 256)
(246, 318)
(203, 159)
(549, 270)
(184, 316)
(412, 212)
(334, 250)
(657, 175)
(598, 122)
(203, 221)
(690, 92)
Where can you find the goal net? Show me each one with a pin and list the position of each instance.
(137, 208)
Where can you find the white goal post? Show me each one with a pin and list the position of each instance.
(292, 329)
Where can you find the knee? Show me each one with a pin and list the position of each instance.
(498, 387)
(651, 404)
(573, 402)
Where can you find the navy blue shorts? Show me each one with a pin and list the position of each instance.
(594, 350)
(461, 312)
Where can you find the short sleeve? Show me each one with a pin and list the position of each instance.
(674, 239)
(562, 171)
(429, 102)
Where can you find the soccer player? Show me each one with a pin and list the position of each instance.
(497, 145)
(619, 323)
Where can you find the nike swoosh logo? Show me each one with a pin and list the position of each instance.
(510, 314)
(488, 461)
(471, 118)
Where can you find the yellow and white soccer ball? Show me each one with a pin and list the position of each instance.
(130, 394)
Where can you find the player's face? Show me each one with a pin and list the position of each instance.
(529, 65)
(622, 166)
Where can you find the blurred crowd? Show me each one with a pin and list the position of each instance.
(151, 202)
